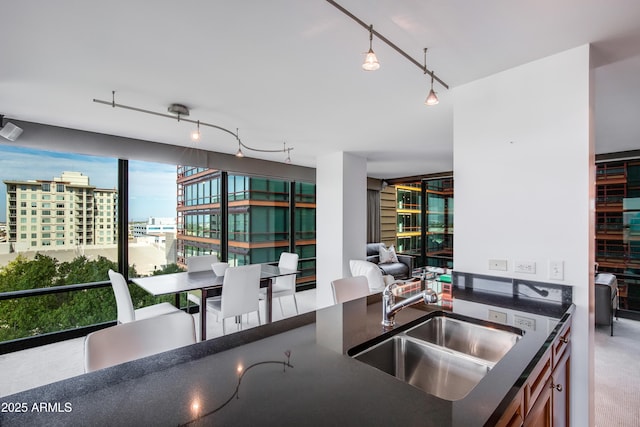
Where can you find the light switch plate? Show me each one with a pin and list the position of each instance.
(556, 270)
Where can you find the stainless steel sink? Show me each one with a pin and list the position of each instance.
(446, 355)
(435, 370)
(483, 342)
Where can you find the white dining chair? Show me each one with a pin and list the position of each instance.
(134, 340)
(195, 264)
(124, 305)
(239, 294)
(349, 288)
(201, 263)
(284, 285)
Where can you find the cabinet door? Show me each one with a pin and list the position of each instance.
(513, 415)
(540, 413)
(537, 382)
(560, 390)
(562, 343)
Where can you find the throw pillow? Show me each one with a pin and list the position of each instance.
(388, 255)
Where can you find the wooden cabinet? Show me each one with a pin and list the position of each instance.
(560, 376)
(513, 416)
(547, 390)
(541, 412)
(537, 383)
(544, 399)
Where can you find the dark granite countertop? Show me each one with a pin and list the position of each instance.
(324, 387)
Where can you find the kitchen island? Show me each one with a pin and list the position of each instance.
(323, 387)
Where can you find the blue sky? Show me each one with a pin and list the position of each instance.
(152, 186)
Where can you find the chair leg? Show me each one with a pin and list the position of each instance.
(295, 302)
(223, 331)
(259, 321)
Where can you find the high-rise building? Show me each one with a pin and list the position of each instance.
(65, 212)
(253, 214)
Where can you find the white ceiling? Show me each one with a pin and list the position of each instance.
(287, 70)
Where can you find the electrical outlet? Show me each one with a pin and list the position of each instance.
(524, 323)
(498, 264)
(525, 267)
(497, 316)
(556, 270)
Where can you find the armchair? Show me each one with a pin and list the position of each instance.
(399, 270)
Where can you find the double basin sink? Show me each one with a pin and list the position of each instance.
(446, 355)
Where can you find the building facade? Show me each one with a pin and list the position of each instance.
(154, 227)
(254, 219)
(63, 213)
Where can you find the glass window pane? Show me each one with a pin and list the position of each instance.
(41, 258)
(152, 217)
(198, 225)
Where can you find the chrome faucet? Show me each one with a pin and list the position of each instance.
(390, 308)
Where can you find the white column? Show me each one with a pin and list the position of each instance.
(524, 187)
(341, 209)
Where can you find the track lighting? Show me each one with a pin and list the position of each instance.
(177, 112)
(370, 61)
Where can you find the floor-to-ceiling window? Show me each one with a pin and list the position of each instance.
(256, 215)
(61, 225)
(617, 226)
(409, 218)
(68, 218)
(57, 228)
(305, 230)
(259, 222)
(199, 222)
(424, 221)
(439, 222)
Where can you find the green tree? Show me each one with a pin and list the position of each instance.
(30, 316)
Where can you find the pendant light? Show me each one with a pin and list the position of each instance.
(370, 61)
(432, 98)
(195, 135)
(239, 153)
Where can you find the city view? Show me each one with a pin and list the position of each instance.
(67, 208)
(59, 228)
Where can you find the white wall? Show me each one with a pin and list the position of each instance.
(341, 208)
(523, 170)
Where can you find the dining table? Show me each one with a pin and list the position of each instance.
(209, 284)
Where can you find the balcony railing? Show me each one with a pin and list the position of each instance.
(85, 324)
(50, 337)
